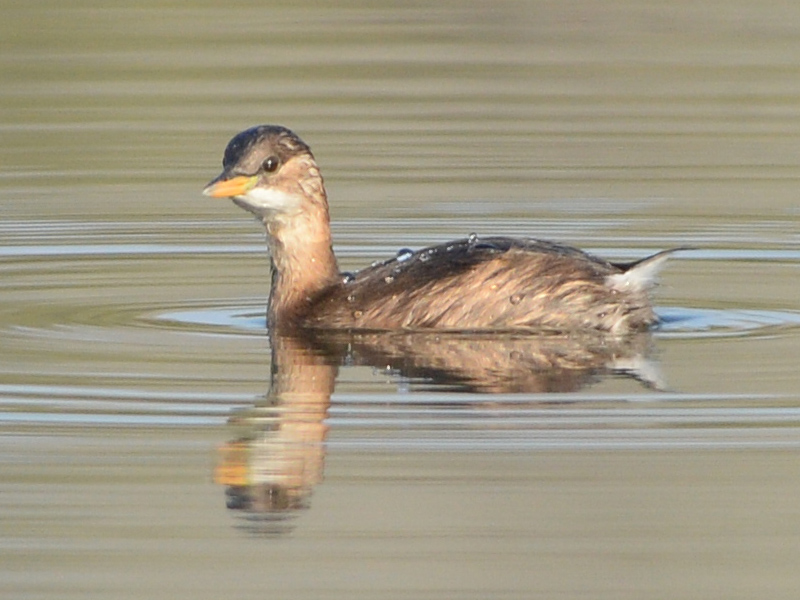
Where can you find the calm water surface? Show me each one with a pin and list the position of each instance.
(146, 448)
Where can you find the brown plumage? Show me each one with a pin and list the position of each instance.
(477, 283)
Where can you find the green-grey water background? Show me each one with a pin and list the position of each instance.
(129, 313)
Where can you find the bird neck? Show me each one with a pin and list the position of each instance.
(303, 263)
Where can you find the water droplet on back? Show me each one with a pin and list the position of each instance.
(404, 254)
(516, 298)
(472, 239)
(486, 246)
(347, 277)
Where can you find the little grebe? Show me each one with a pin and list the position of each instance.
(477, 283)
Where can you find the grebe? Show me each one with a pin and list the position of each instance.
(477, 283)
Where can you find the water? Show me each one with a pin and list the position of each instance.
(145, 451)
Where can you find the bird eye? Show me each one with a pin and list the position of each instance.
(270, 164)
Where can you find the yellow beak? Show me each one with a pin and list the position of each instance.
(226, 188)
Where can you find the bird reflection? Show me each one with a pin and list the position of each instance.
(276, 456)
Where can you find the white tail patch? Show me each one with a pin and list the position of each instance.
(639, 276)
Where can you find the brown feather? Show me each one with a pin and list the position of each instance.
(493, 283)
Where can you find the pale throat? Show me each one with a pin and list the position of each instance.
(270, 202)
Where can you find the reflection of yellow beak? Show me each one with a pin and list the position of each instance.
(226, 188)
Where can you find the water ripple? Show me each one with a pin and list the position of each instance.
(78, 313)
(676, 322)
